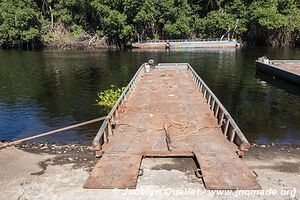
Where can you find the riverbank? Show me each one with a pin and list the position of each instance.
(53, 171)
(85, 41)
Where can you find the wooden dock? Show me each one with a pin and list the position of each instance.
(170, 111)
(288, 70)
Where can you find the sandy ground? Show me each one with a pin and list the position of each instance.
(42, 171)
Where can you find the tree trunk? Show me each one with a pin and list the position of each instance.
(52, 18)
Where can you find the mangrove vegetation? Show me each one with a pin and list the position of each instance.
(36, 23)
(107, 98)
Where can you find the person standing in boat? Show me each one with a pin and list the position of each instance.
(167, 46)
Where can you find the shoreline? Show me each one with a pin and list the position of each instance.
(83, 155)
(74, 45)
(83, 46)
(52, 171)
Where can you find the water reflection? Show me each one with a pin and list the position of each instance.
(41, 91)
(266, 79)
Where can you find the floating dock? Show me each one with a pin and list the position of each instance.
(288, 70)
(170, 112)
(175, 44)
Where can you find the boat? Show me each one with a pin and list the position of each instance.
(186, 43)
(226, 41)
(288, 70)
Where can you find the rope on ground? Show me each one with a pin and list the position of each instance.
(140, 129)
(184, 126)
(184, 134)
(3, 145)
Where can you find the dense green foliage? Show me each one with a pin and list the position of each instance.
(108, 98)
(31, 22)
(19, 24)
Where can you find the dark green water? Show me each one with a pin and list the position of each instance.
(41, 91)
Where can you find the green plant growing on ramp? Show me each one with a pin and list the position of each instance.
(107, 98)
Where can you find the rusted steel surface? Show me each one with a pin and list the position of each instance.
(223, 172)
(116, 171)
(169, 154)
(295, 68)
(171, 112)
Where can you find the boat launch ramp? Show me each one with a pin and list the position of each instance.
(170, 112)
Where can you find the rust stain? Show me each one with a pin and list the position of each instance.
(295, 68)
(167, 110)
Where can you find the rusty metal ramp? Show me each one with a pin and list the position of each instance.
(170, 111)
(115, 171)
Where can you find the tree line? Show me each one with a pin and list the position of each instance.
(34, 23)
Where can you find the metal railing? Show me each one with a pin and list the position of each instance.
(181, 40)
(228, 126)
(106, 128)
